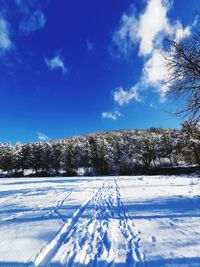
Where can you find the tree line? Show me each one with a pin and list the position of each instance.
(105, 153)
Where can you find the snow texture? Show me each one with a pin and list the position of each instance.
(138, 221)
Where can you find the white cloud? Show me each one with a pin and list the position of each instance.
(33, 23)
(5, 41)
(155, 73)
(152, 22)
(111, 115)
(42, 136)
(154, 69)
(56, 62)
(148, 30)
(142, 29)
(122, 96)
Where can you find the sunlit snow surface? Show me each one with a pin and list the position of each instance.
(138, 221)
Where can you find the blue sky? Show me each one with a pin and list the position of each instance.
(75, 67)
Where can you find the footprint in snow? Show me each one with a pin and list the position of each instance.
(153, 239)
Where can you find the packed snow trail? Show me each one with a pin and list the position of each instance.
(99, 232)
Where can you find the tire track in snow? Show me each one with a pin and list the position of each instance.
(99, 231)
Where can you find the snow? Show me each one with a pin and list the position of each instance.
(138, 221)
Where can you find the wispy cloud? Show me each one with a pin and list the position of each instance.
(123, 96)
(56, 62)
(111, 115)
(5, 41)
(34, 22)
(42, 137)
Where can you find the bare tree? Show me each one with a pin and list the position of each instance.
(183, 65)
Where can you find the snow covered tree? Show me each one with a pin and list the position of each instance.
(117, 152)
(170, 147)
(69, 159)
(146, 147)
(191, 141)
(7, 155)
(18, 157)
(56, 155)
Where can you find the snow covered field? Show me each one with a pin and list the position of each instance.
(100, 221)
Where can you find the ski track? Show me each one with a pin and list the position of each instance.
(53, 210)
(99, 231)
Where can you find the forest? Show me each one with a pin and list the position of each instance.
(105, 153)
